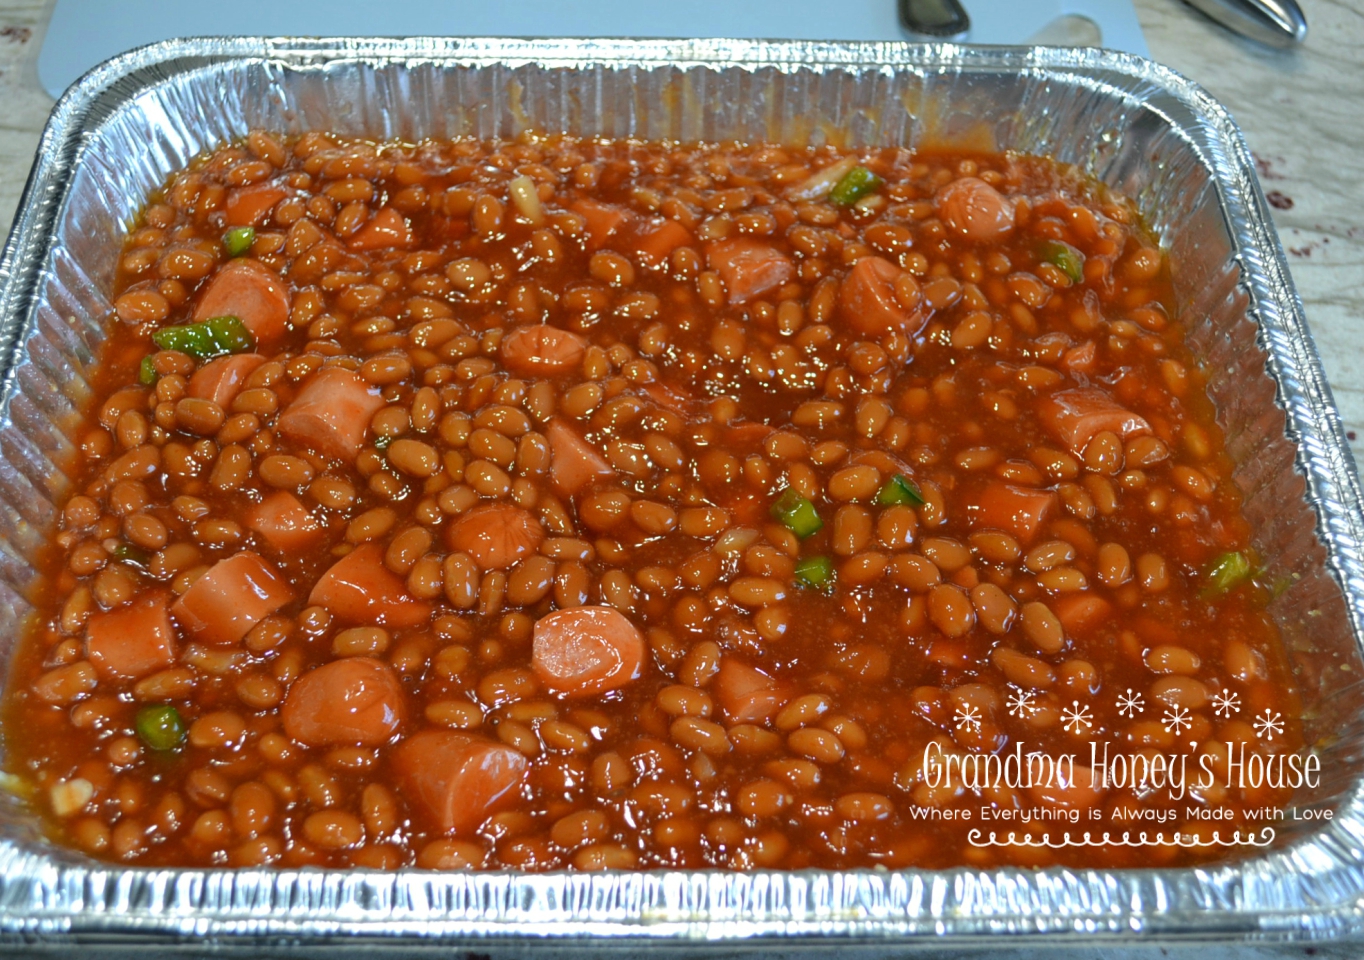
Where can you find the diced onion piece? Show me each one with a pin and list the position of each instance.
(526, 198)
(817, 185)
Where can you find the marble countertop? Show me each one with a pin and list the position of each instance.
(1300, 111)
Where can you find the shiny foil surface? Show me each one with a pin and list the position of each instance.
(1144, 130)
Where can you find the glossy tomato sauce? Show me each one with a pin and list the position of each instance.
(580, 504)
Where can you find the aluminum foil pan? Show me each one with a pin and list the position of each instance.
(118, 133)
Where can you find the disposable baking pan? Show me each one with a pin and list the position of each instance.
(1147, 132)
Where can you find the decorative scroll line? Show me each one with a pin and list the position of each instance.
(1266, 835)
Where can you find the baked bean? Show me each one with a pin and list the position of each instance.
(1192, 481)
(610, 774)
(684, 701)
(951, 609)
(1115, 567)
(1168, 658)
(700, 665)
(801, 712)
(1046, 556)
(1145, 451)
(702, 522)
(318, 786)
(208, 788)
(757, 591)
(252, 809)
(371, 525)
(571, 581)
(173, 684)
(611, 268)
(617, 590)
(1062, 580)
(145, 531)
(218, 730)
(754, 740)
(563, 736)
(333, 829)
(1104, 453)
(361, 642)
(285, 471)
(460, 714)
(1023, 670)
(696, 733)
(231, 469)
(185, 264)
(409, 546)
(141, 306)
(1080, 677)
(605, 857)
(414, 458)
(66, 684)
(947, 555)
(259, 692)
(864, 807)
(653, 518)
(579, 828)
(915, 572)
(764, 798)
(1042, 627)
(1242, 662)
(863, 569)
(994, 608)
(852, 530)
(995, 547)
(854, 483)
(820, 746)
(1181, 691)
(1151, 572)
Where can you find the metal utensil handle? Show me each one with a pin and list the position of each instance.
(1276, 23)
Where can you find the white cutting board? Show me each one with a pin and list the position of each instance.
(83, 33)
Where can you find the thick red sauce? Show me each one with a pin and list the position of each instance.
(468, 556)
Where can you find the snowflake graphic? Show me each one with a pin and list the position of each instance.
(1076, 718)
(1021, 704)
(1268, 725)
(1130, 703)
(1226, 703)
(1175, 719)
(967, 717)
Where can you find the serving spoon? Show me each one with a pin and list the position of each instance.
(1275, 23)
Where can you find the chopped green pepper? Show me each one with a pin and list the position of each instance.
(816, 572)
(211, 338)
(126, 551)
(230, 334)
(193, 339)
(382, 441)
(238, 240)
(146, 372)
(796, 513)
(160, 727)
(897, 490)
(1226, 573)
(856, 184)
(1062, 255)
